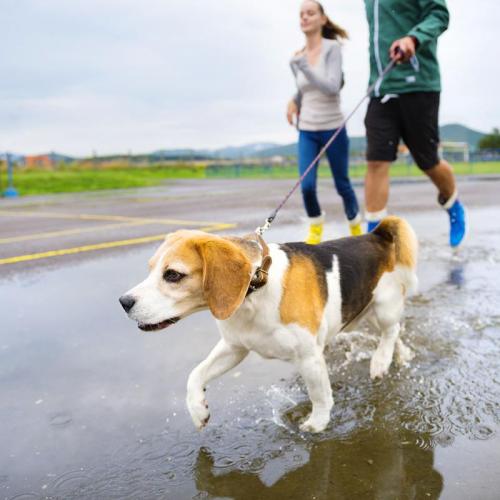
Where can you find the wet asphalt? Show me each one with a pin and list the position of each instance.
(93, 408)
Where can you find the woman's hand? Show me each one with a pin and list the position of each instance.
(291, 112)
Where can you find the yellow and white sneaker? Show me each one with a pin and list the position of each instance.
(315, 229)
(355, 226)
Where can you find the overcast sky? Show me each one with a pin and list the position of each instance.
(122, 75)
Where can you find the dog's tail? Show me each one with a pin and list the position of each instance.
(398, 231)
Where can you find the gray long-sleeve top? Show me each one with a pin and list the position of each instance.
(318, 95)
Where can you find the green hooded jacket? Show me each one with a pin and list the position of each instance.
(390, 20)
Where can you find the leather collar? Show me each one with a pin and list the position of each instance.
(260, 276)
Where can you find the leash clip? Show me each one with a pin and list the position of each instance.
(262, 229)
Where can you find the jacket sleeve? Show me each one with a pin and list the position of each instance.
(435, 19)
(331, 82)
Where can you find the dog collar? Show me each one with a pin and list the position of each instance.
(261, 274)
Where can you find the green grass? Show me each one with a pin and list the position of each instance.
(35, 182)
(71, 179)
(356, 171)
(482, 168)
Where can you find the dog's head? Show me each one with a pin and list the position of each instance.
(192, 271)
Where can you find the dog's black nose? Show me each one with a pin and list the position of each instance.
(127, 302)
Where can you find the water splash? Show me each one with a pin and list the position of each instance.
(450, 389)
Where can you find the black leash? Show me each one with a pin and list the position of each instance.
(261, 229)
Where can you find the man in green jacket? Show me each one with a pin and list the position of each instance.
(405, 105)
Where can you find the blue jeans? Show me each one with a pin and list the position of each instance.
(310, 144)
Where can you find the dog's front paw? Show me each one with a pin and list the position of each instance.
(198, 409)
(379, 365)
(315, 423)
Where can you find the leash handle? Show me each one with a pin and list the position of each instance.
(267, 224)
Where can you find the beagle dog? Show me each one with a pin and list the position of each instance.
(283, 301)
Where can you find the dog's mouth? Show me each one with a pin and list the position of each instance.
(158, 326)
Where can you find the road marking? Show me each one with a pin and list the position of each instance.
(101, 246)
(117, 218)
(67, 232)
(122, 221)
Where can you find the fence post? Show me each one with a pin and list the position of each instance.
(11, 191)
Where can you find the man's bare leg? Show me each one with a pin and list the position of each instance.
(376, 192)
(443, 178)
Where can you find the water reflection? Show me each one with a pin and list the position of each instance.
(457, 273)
(372, 463)
(75, 388)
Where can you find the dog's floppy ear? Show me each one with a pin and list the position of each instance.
(226, 276)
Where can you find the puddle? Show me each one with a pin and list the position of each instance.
(93, 409)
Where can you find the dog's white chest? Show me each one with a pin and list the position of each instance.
(271, 341)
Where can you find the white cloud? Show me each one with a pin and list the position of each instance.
(120, 75)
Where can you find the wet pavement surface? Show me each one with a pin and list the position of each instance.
(93, 408)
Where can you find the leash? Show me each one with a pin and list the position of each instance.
(267, 224)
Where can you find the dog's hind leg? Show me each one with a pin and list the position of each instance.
(382, 357)
(315, 374)
(221, 359)
(403, 353)
(388, 308)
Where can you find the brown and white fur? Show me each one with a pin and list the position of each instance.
(312, 293)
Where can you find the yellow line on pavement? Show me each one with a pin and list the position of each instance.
(56, 215)
(86, 248)
(67, 232)
(100, 246)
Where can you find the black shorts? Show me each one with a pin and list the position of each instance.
(412, 117)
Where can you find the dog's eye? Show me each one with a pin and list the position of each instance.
(172, 276)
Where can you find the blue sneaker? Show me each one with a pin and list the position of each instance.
(373, 219)
(458, 224)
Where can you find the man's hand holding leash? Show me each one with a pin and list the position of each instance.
(404, 49)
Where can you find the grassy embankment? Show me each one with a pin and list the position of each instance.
(66, 179)
(72, 179)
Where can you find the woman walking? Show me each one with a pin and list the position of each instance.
(315, 109)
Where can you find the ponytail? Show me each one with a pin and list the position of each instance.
(331, 30)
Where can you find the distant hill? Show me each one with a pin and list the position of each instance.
(356, 144)
(246, 151)
(449, 133)
(277, 150)
(13, 156)
(57, 157)
(52, 156)
(455, 132)
(180, 154)
(230, 152)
